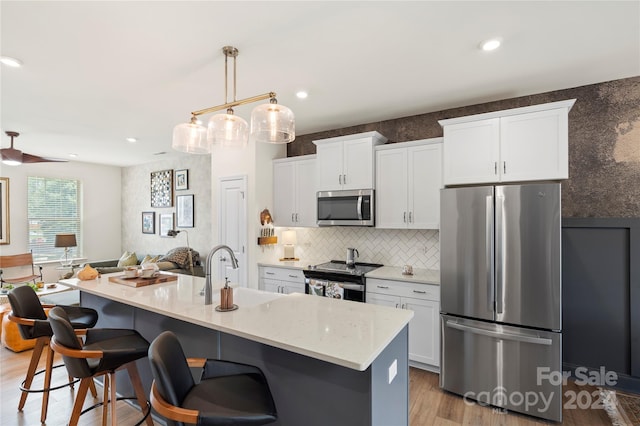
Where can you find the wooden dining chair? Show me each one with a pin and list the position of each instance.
(19, 260)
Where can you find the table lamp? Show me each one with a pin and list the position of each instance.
(66, 241)
(289, 240)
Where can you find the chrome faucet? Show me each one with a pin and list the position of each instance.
(207, 282)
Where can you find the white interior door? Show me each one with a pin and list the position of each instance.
(232, 222)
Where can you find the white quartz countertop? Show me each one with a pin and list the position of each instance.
(420, 276)
(298, 264)
(350, 334)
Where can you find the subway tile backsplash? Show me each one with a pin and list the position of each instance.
(391, 247)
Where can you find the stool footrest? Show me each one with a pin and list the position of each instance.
(120, 398)
(29, 390)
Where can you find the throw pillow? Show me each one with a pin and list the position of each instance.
(180, 256)
(128, 259)
(150, 259)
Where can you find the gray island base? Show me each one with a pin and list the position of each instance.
(306, 390)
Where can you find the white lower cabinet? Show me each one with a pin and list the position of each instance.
(424, 328)
(281, 280)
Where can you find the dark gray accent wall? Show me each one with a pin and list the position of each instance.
(604, 143)
(601, 296)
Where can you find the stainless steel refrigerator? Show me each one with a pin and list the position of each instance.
(500, 290)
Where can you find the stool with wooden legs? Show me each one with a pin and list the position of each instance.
(228, 393)
(28, 313)
(103, 352)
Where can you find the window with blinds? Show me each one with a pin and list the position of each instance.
(53, 207)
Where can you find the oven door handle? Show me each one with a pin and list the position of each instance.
(352, 286)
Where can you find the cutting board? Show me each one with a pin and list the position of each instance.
(141, 282)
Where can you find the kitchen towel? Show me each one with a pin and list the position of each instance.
(335, 290)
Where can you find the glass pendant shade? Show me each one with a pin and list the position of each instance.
(273, 123)
(228, 130)
(191, 138)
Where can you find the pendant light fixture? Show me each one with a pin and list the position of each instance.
(271, 123)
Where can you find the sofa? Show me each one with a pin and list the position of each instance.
(175, 260)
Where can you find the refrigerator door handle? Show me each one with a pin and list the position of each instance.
(500, 253)
(500, 335)
(489, 251)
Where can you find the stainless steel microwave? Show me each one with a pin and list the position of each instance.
(346, 208)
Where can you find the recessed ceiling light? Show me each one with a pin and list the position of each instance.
(302, 94)
(491, 44)
(11, 62)
(132, 140)
(73, 155)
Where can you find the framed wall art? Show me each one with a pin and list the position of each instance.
(166, 224)
(162, 188)
(184, 211)
(182, 180)
(4, 210)
(148, 222)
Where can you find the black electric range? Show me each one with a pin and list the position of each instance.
(350, 279)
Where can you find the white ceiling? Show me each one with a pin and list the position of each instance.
(97, 72)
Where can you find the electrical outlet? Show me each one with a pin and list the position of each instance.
(393, 370)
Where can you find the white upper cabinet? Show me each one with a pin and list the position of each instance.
(347, 162)
(520, 144)
(408, 182)
(294, 191)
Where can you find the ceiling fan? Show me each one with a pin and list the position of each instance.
(15, 157)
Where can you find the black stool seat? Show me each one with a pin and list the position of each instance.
(227, 393)
(102, 353)
(32, 321)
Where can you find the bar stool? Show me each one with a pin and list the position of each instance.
(28, 313)
(228, 393)
(103, 352)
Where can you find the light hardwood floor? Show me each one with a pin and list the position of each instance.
(428, 404)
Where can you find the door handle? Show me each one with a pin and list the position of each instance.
(297, 217)
(293, 276)
(404, 217)
(420, 291)
(489, 251)
(504, 167)
(500, 253)
(340, 179)
(359, 207)
(382, 286)
(344, 179)
(397, 305)
(270, 273)
(410, 217)
(292, 218)
(495, 167)
(501, 335)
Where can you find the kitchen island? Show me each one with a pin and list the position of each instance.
(327, 361)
